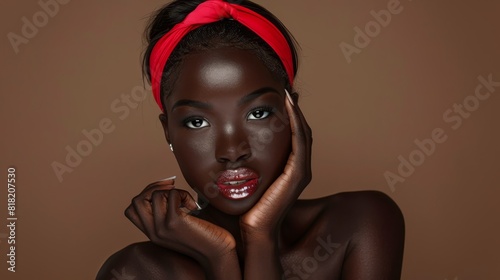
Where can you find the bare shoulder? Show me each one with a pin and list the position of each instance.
(365, 206)
(374, 215)
(359, 210)
(363, 232)
(362, 214)
(146, 260)
(378, 241)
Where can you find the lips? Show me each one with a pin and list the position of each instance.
(237, 183)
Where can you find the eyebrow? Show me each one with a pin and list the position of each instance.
(245, 99)
(191, 103)
(256, 93)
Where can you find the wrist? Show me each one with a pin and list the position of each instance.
(259, 235)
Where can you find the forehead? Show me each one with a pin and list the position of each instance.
(221, 71)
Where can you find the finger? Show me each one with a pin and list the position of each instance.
(159, 203)
(298, 135)
(167, 206)
(181, 198)
(187, 201)
(308, 139)
(299, 162)
(304, 161)
(139, 212)
(147, 193)
(143, 209)
(168, 182)
(305, 126)
(132, 215)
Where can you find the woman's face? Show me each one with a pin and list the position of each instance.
(228, 126)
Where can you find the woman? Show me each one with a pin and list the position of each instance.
(221, 72)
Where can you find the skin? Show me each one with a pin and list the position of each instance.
(217, 107)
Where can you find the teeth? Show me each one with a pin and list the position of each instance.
(237, 196)
(238, 191)
(235, 182)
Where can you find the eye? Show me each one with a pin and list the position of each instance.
(260, 113)
(196, 123)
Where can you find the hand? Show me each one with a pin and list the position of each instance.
(266, 216)
(157, 212)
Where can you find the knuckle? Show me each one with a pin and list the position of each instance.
(139, 198)
(137, 202)
(128, 212)
(154, 194)
(157, 194)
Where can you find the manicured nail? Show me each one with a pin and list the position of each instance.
(169, 178)
(197, 205)
(289, 97)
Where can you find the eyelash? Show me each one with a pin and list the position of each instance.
(265, 109)
(189, 120)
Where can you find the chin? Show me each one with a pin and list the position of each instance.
(235, 212)
(236, 207)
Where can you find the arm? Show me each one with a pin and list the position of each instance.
(158, 213)
(146, 260)
(141, 261)
(260, 226)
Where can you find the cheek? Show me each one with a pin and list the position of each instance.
(277, 134)
(272, 145)
(195, 156)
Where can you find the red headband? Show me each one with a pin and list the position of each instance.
(212, 11)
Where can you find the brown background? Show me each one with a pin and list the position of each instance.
(364, 114)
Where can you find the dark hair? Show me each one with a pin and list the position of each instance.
(224, 33)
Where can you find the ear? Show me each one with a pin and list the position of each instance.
(164, 122)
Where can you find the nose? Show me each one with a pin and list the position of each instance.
(232, 145)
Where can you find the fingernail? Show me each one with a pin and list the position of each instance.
(169, 178)
(289, 97)
(197, 205)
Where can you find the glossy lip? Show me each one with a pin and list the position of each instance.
(237, 183)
